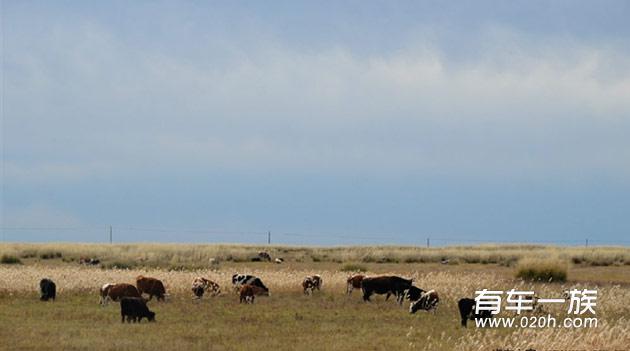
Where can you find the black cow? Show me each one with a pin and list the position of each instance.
(48, 289)
(385, 285)
(467, 311)
(135, 308)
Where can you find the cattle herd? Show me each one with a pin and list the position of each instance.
(133, 306)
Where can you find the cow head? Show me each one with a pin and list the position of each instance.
(151, 316)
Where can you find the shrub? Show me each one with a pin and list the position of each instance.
(353, 267)
(551, 270)
(10, 259)
(49, 255)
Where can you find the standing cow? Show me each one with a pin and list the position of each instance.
(248, 293)
(467, 311)
(151, 287)
(134, 309)
(385, 285)
(48, 289)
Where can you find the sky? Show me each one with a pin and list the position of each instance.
(322, 122)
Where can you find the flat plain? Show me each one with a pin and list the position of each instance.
(288, 320)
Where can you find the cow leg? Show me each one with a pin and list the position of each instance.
(122, 318)
(349, 289)
(387, 296)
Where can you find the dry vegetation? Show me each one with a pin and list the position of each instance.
(287, 319)
(193, 256)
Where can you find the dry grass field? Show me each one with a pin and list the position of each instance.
(288, 320)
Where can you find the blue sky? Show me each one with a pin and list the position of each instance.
(324, 122)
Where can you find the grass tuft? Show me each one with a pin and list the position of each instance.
(537, 269)
(10, 259)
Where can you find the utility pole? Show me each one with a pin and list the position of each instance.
(269, 237)
(587, 242)
(110, 233)
(428, 242)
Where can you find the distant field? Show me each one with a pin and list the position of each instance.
(191, 256)
(288, 320)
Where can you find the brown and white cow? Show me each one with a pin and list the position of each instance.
(311, 283)
(248, 293)
(428, 301)
(200, 285)
(354, 282)
(151, 287)
(115, 292)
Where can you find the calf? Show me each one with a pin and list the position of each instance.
(115, 292)
(467, 311)
(385, 285)
(248, 293)
(428, 301)
(151, 287)
(354, 282)
(135, 308)
(200, 285)
(48, 289)
(238, 280)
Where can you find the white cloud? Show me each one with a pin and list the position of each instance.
(96, 105)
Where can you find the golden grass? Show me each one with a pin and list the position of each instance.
(287, 319)
(196, 256)
(542, 269)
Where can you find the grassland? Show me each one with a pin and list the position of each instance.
(288, 320)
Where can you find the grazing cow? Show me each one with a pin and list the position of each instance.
(467, 311)
(413, 294)
(248, 293)
(385, 285)
(354, 282)
(151, 287)
(311, 283)
(115, 292)
(200, 285)
(239, 280)
(48, 289)
(135, 308)
(428, 301)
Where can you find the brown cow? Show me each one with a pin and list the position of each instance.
(115, 292)
(354, 282)
(248, 292)
(151, 287)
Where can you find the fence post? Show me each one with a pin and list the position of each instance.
(110, 233)
(269, 237)
(428, 242)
